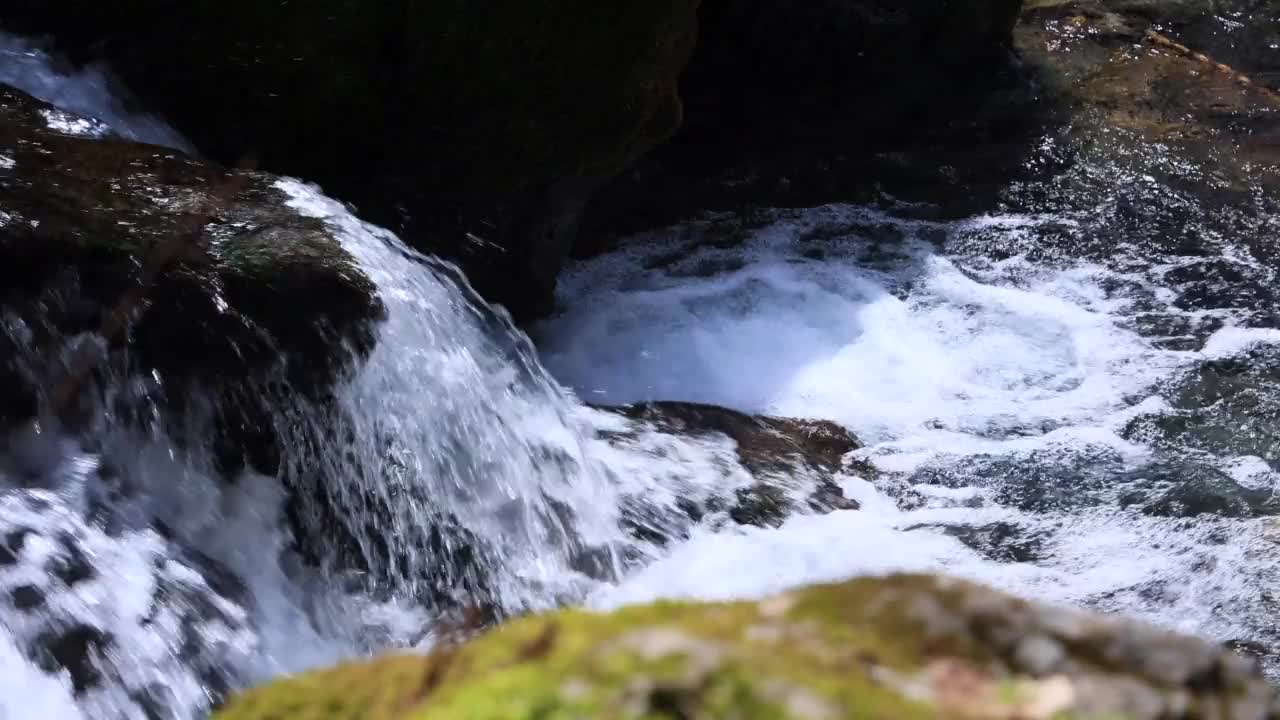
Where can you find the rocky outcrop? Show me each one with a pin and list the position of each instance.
(789, 465)
(477, 129)
(191, 274)
(798, 105)
(1090, 80)
(898, 647)
(781, 67)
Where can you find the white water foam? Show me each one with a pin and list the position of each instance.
(933, 359)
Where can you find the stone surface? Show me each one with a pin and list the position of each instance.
(793, 463)
(195, 275)
(1183, 92)
(795, 106)
(898, 647)
(476, 129)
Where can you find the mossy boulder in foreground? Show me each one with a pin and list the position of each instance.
(898, 647)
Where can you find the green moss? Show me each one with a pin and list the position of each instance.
(897, 648)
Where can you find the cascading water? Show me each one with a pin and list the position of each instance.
(144, 584)
(453, 413)
(1092, 431)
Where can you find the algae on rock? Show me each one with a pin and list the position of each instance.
(899, 647)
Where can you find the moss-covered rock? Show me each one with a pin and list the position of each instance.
(477, 128)
(900, 647)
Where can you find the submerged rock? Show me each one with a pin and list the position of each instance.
(792, 463)
(898, 647)
(1189, 489)
(1227, 406)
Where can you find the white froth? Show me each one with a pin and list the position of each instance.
(924, 348)
(1232, 340)
(25, 692)
(932, 359)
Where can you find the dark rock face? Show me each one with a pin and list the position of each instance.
(867, 54)
(797, 105)
(1088, 84)
(477, 129)
(1227, 407)
(194, 275)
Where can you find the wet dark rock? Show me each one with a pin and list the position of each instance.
(765, 444)
(780, 453)
(477, 129)
(999, 541)
(650, 525)
(1046, 480)
(798, 105)
(11, 545)
(1188, 489)
(26, 597)
(75, 650)
(208, 275)
(70, 566)
(793, 465)
(1228, 407)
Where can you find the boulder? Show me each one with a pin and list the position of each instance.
(129, 260)
(895, 647)
(476, 129)
(791, 465)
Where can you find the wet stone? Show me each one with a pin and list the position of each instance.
(998, 541)
(76, 650)
(11, 545)
(1174, 488)
(72, 566)
(27, 597)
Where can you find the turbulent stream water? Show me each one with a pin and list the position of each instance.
(1091, 426)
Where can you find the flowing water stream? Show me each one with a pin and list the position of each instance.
(1090, 426)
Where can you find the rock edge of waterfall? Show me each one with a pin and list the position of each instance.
(481, 131)
(895, 647)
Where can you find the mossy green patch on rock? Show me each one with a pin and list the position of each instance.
(900, 647)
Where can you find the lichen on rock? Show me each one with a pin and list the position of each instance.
(898, 647)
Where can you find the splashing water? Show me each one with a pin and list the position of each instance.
(147, 585)
(1003, 401)
(1024, 419)
(452, 412)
